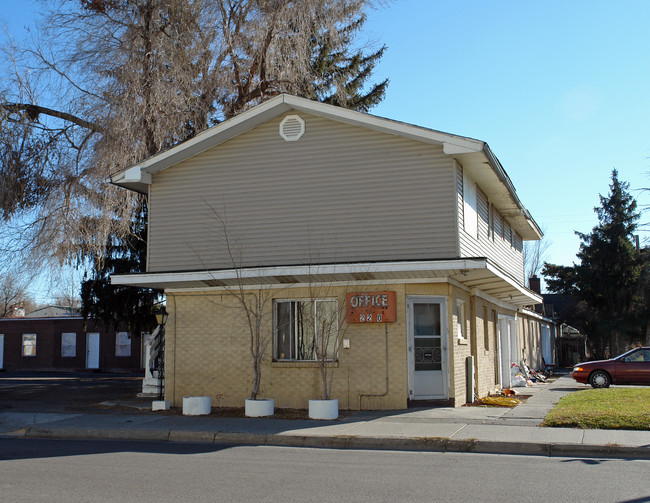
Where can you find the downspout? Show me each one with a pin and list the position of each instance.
(474, 341)
(175, 355)
(387, 388)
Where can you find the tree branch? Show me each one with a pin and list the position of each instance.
(33, 111)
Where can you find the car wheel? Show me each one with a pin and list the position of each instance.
(599, 379)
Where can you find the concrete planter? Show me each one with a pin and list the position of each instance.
(323, 409)
(260, 407)
(197, 405)
(160, 405)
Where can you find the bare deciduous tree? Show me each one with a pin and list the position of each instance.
(13, 291)
(253, 306)
(108, 83)
(535, 254)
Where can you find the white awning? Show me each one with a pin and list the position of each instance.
(475, 274)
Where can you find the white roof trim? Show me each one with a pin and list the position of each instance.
(313, 270)
(467, 150)
(276, 107)
(471, 273)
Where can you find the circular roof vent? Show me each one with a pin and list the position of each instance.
(292, 128)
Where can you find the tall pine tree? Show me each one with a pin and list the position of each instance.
(111, 304)
(605, 282)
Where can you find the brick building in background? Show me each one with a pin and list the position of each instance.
(67, 343)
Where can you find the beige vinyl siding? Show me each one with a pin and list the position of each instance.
(503, 247)
(339, 194)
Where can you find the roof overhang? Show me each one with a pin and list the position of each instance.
(475, 155)
(474, 274)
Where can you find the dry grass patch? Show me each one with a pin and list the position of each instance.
(610, 408)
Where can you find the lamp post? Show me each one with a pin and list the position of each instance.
(161, 319)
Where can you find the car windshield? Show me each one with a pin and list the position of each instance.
(626, 353)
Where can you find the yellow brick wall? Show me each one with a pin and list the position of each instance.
(529, 328)
(207, 353)
(207, 350)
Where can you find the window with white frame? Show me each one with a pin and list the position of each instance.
(461, 326)
(29, 344)
(305, 329)
(68, 344)
(122, 344)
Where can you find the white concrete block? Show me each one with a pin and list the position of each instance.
(160, 405)
(197, 405)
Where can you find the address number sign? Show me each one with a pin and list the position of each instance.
(371, 307)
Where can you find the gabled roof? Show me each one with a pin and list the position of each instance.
(474, 155)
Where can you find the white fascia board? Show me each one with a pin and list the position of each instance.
(279, 105)
(383, 124)
(310, 270)
(533, 314)
(215, 135)
(208, 138)
(534, 297)
(135, 174)
(456, 149)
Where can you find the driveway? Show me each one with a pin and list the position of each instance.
(58, 391)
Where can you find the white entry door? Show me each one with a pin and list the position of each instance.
(508, 348)
(92, 350)
(2, 351)
(427, 348)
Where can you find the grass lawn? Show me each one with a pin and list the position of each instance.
(609, 408)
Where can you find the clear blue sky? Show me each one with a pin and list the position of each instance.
(560, 90)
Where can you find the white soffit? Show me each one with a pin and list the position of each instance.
(472, 273)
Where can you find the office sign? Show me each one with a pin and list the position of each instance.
(371, 307)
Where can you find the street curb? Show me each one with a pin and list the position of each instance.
(97, 434)
(423, 444)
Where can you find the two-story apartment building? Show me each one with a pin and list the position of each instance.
(315, 211)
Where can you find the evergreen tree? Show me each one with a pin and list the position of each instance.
(605, 282)
(337, 76)
(114, 304)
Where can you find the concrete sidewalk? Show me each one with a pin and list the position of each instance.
(443, 429)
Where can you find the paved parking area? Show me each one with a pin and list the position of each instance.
(56, 391)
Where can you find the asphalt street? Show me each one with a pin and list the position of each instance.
(102, 471)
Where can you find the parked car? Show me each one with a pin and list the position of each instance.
(632, 367)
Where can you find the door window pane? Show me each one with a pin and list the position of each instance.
(426, 319)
